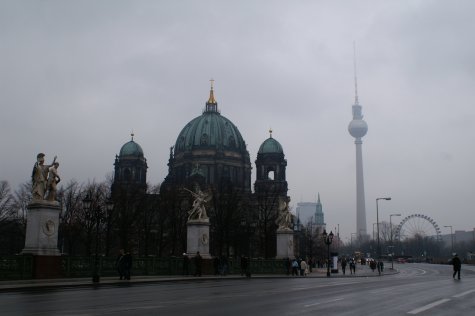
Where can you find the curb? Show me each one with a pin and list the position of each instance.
(21, 285)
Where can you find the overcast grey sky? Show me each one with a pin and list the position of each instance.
(77, 76)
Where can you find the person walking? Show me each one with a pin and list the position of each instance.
(457, 263)
(127, 265)
(380, 266)
(303, 268)
(295, 268)
(352, 266)
(343, 265)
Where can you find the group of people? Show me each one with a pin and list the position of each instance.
(299, 267)
(351, 262)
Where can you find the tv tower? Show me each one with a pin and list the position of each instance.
(358, 129)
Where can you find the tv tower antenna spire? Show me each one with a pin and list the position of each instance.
(354, 66)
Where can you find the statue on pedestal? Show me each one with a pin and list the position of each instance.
(284, 219)
(198, 210)
(39, 177)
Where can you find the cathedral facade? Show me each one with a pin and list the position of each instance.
(211, 153)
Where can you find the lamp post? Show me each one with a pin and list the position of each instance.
(451, 237)
(377, 222)
(327, 239)
(392, 246)
(97, 216)
(249, 228)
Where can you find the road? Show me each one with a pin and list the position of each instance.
(419, 289)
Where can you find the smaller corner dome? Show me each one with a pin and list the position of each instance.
(131, 149)
(271, 146)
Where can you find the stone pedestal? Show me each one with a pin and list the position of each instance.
(197, 238)
(42, 229)
(285, 243)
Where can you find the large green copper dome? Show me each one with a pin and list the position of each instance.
(271, 146)
(210, 149)
(131, 149)
(211, 130)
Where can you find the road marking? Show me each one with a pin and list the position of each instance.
(325, 302)
(429, 306)
(464, 293)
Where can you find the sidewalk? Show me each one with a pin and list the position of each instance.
(16, 285)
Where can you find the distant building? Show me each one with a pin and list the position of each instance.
(311, 213)
(459, 236)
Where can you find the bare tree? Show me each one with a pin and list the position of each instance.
(6, 203)
(71, 204)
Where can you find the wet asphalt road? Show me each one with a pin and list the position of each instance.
(420, 289)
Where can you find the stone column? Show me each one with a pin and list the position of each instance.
(285, 243)
(197, 238)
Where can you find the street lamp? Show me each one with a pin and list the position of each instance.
(392, 246)
(250, 229)
(327, 239)
(97, 217)
(377, 222)
(451, 237)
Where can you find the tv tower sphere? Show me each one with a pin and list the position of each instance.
(358, 128)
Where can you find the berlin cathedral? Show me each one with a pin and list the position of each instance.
(211, 153)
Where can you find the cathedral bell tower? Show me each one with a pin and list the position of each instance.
(270, 170)
(130, 168)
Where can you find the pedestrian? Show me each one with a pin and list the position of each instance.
(119, 264)
(380, 267)
(198, 264)
(457, 266)
(295, 268)
(343, 265)
(303, 268)
(372, 265)
(127, 265)
(352, 266)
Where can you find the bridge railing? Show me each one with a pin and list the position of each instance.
(22, 267)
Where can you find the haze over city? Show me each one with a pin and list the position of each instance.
(76, 78)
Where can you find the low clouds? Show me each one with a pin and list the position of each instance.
(77, 77)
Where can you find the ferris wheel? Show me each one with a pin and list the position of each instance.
(417, 225)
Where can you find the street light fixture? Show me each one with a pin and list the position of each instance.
(250, 229)
(327, 239)
(392, 246)
(451, 237)
(98, 218)
(377, 222)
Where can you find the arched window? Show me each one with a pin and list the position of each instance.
(270, 174)
(127, 174)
